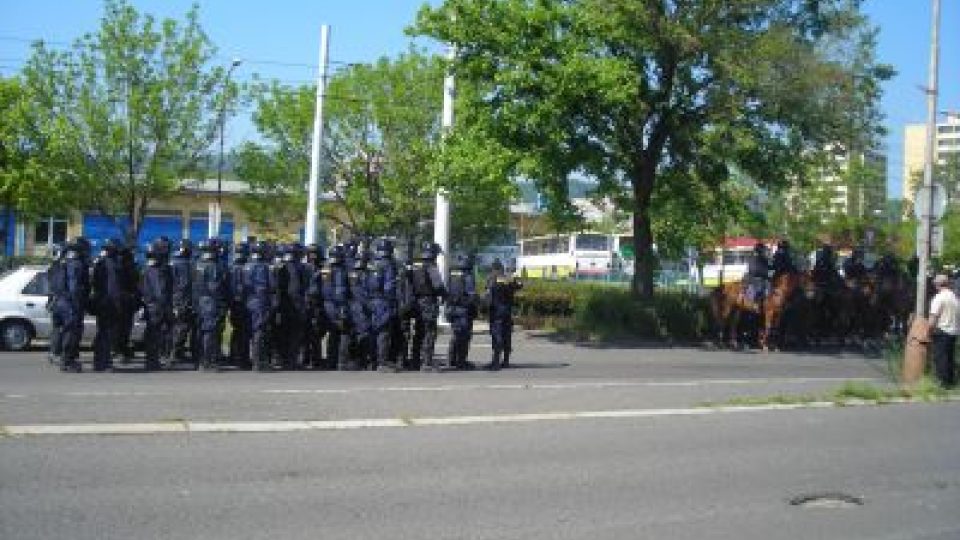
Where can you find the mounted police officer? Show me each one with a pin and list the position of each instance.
(293, 281)
(460, 307)
(210, 297)
(382, 278)
(428, 289)
(184, 315)
(824, 271)
(258, 297)
(854, 270)
(106, 297)
(157, 294)
(782, 262)
(336, 307)
(69, 304)
(501, 291)
(316, 320)
(758, 272)
(55, 289)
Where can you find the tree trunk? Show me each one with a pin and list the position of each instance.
(645, 263)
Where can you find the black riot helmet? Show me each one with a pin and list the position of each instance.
(208, 250)
(783, 245)
(383, 248)
(759, 249)
(337, 254)
(460, 262)
(83, 245)
(184, 249)
(315, 254)
(429, 251)
(109, 248)
(56, 252)
(259, 250)
(154, 253)
(292, 252)
(73, 250)
(160, 247)
(241, 251)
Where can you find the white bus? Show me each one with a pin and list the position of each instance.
(730, 263)
(563, 256)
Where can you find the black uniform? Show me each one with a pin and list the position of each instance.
(129, 303)
(292, 284)
(157, 293)
(758, 272)
(501, 292)
(239, 317)
(184, 316)
(258, 295)
(460, 307)
(70, 303)
(105, 303)
(316, 328)
(428, 289)
(210, 295)
(384, 303)
(56, 284)
(336, 294)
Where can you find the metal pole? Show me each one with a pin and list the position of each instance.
(313, 195)
(926, 220)
(441, 221)
(214, 217)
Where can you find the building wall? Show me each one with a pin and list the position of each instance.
(914, 145)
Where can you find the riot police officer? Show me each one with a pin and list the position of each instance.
(384, 302)
(106, 297)
(69, 304)
(428, 289)
(258, 295)
(210, 294)
(501, 290)
(316, 327)
(403, 325)
(336, 296)
(358, 303)
(129, 302)
(56, 284)
(292, 284)
(156, 291)
(460, 306)
(239, 317)
(181, 266)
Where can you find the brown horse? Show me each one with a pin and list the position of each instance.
(729, 303)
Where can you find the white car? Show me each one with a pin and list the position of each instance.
(23, 310)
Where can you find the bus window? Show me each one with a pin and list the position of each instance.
(592, 242)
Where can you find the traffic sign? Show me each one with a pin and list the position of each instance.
(922, 200)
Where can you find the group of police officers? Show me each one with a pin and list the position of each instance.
(289, 307)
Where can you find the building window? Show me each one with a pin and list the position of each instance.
(50, 231)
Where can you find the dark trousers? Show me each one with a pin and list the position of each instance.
(104, 340)
(425, 331)
(183, 334)
(240, 336)
(944, 365)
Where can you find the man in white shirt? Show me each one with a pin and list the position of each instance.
(944, 327)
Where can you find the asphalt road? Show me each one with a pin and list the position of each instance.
(729, 475)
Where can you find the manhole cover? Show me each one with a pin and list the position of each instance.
(826, 500)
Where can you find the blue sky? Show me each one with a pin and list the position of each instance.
(287, 31)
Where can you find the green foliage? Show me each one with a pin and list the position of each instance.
(383, 155)
(604, 312)
(650, 98)
(125, 113)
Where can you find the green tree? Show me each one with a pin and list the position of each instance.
(384, 154)
(648, 96)
(29, 182)
(129, 110)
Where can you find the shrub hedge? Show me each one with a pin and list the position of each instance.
(607, 312)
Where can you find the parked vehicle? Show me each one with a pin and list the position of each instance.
(23, 310)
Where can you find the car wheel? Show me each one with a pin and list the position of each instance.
(15, 335)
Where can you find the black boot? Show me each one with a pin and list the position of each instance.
(506, 359)
(495, 362)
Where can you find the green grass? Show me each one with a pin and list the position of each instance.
(927, 390)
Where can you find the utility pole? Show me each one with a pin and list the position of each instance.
(310, 228)
(441, 220)
(926, 219)
(217, 210)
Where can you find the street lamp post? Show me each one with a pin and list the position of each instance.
(215, 215)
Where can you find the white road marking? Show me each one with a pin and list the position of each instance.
(286, 426)
(470, 387)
